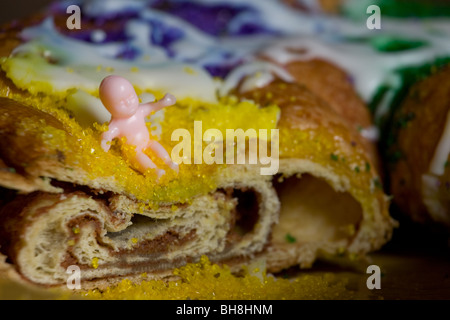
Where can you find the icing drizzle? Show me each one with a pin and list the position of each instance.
(189, 48)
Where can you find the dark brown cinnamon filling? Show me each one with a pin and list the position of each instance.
(160, 244)
(244, 217)
(245, 214)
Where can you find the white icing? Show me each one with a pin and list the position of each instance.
(257, 80)
(194, 43)
(87, 108)
(432, 200)
(95, 8)
(83, 65)
(438, 163)
(371, 133)
(98, 35)
(253, 69)
(140, 32)
(394, 82)
(367, 67)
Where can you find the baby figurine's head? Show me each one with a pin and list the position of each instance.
(118, 96)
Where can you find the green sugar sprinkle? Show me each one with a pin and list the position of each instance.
(290, 239)
(377, 183)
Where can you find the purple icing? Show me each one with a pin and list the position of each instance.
(213, 19)
(210, 19)
(128, 53)
(163, 35)
(219, 70)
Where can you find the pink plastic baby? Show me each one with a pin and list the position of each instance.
(128, 120)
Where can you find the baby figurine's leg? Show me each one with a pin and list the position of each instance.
(146, 163)
(156, 147)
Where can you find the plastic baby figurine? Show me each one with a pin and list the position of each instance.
(128, 120)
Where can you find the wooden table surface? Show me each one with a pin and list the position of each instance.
(415, 265)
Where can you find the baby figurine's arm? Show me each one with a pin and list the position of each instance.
(108, 136)
(150, 107)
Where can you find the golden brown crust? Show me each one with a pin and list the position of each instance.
(12, 180)
(302, 109)
(22, 154)
(333, 86)
(335, 99)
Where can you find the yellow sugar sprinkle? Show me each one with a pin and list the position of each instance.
(134, 240)
(134, 69)
(82, 151)
(353, 256)
(207, 281)
(94, 263)
(189, 70)
(351, 229)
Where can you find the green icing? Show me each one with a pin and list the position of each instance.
(356, 9)
(385, 43)
(414, 8)
(388, 43)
